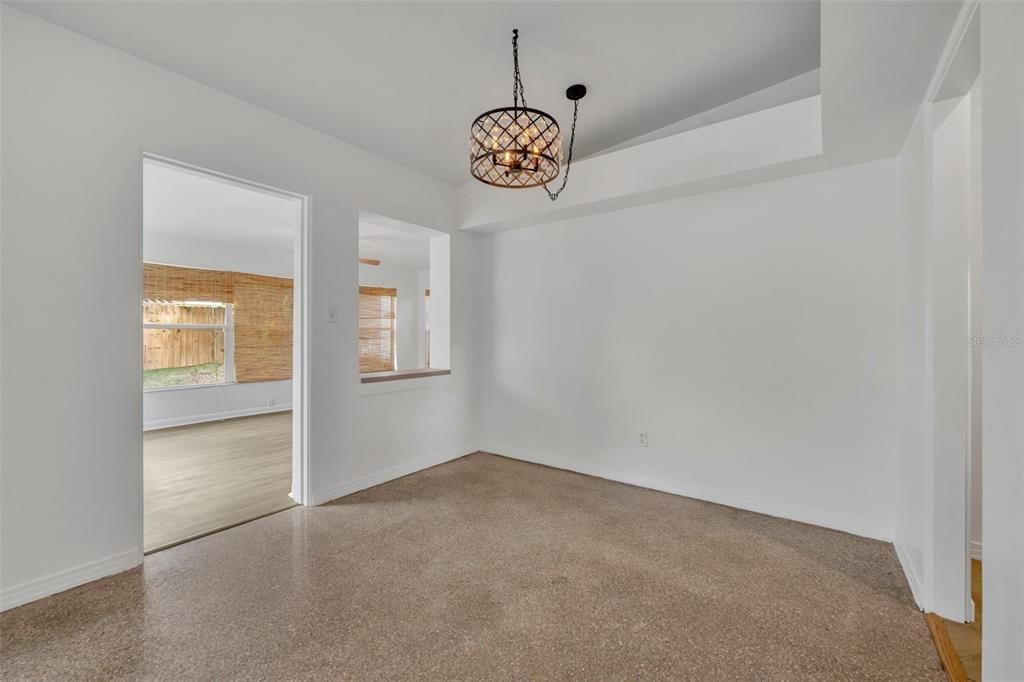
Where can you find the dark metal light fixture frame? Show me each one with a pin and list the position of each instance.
(520, 147)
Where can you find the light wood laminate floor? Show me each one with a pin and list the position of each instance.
(206, 477)
(966, 637)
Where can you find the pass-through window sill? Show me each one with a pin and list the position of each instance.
(398, 375)
(402, 380)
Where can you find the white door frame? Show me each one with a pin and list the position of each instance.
(946, 599)
(300, 321)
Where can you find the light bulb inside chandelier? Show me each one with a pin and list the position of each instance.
(520, 147)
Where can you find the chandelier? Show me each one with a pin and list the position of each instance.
(519, 147)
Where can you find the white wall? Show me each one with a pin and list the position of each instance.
(162, 408)
(912, 534)
(975, 245)
(409, 309)
(442, 260)
(1002, 137)
(754, 333)
(235, 256)
(72, 441)
(948, 255)
(422, 284)
(174, 407)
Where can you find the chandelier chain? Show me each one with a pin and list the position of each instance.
(518, 89)
(568, 160)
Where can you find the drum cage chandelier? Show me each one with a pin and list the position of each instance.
(519, 147)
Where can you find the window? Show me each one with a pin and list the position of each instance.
(260, 310)
(186, 343)
(377, 329)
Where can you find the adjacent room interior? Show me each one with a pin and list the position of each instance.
(217, 342)
(504, 340)
(399, 266)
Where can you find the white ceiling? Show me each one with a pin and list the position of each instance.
(199, 206)
(877, 61)
(394, 248)
(404, 80)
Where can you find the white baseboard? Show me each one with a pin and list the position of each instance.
(212, 417)
(65, 580)
(779, 509)
(913, 580)
(390, 474)
(975, 550)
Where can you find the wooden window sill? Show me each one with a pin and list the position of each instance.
(377, 377)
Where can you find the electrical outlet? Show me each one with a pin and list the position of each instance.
(643, 439)
(332, 314)
(271, 402)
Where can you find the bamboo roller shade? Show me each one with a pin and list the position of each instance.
(377, 329)
(262, 307)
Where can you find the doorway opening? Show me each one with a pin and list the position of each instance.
(222, 351)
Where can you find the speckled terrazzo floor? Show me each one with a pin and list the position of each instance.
(487, 568)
